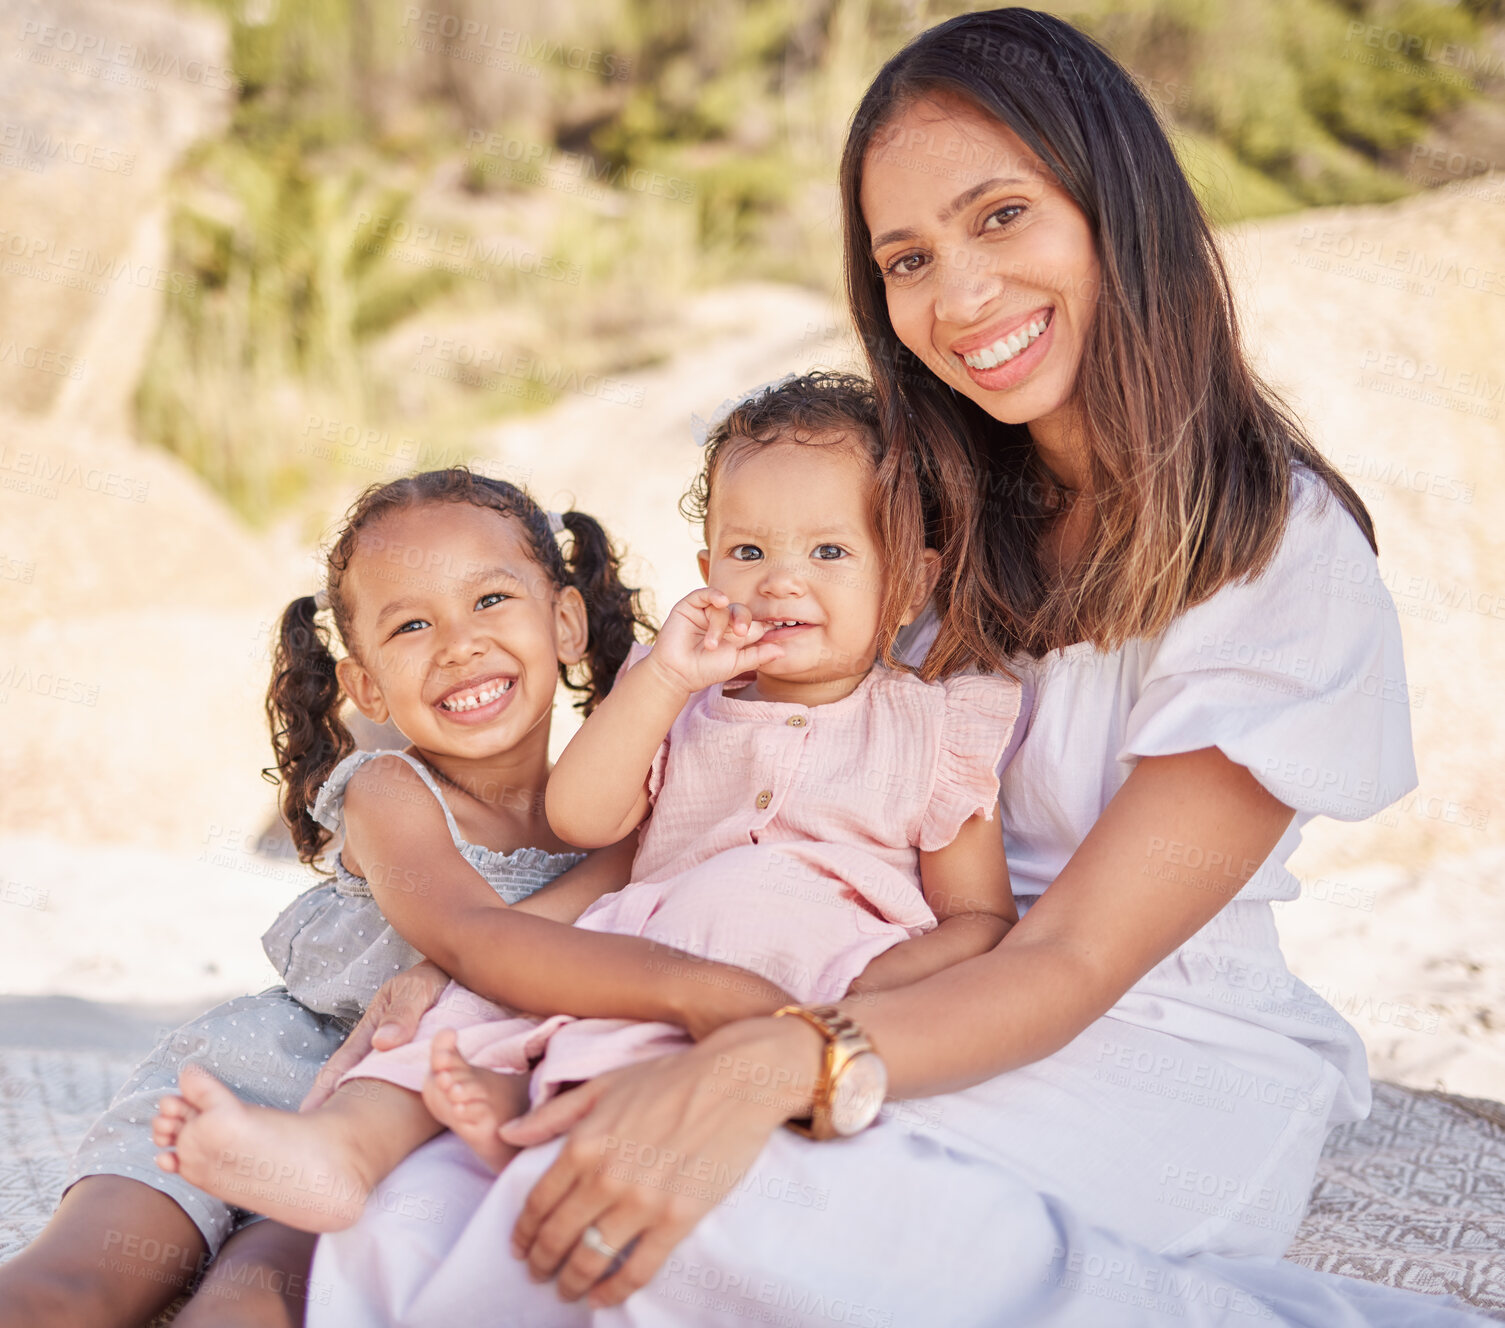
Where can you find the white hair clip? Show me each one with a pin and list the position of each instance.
(321, 599)
(702, 428)
(556, 522)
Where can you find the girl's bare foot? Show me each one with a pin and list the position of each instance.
(306, 1171)
(471, 1101)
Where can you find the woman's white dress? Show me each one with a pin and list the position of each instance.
(1156, 1167)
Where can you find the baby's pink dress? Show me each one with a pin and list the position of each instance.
(782, 838)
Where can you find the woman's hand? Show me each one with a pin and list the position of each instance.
(639, 1141)
(707, 639)
(389, 1021)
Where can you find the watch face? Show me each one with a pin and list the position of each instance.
(859, 1093)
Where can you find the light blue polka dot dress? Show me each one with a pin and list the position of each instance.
(334, 950)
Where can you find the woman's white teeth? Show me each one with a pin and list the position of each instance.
(786, 622)
(470, 700)
(1005, 348)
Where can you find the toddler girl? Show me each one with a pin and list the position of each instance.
(826, 821)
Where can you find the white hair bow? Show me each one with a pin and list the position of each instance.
(702, 428)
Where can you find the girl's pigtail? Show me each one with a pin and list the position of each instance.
(612, 610)
(303, 705)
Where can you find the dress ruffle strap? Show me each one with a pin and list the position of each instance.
(329, 807)
(978, 722)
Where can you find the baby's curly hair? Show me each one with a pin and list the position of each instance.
(830, 408)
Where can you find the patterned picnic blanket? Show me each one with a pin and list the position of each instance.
(1412, 1197)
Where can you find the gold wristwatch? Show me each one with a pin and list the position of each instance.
(853, 1078)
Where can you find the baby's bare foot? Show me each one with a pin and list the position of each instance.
(173, 1113)
(302, 1170)
(471, 1101)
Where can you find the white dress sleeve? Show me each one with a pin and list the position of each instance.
(1296, 675)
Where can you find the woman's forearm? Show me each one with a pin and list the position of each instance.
(1014, 1005)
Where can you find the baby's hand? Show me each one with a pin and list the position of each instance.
(707, 639)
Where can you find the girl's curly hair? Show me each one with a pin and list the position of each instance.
(303, 702)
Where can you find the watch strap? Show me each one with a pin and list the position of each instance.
(844, 1040)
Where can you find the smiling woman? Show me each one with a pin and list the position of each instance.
(987, 286)
(1029, 263)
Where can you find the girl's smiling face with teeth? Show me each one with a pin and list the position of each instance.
(459, 634)
(989, 266)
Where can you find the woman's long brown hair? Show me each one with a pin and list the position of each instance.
(1190, 454)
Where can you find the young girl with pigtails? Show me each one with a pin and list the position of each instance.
(459, 607)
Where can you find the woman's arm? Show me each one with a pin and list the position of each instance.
(440, 905)
(967, 887)
(1120, 906)
(1122, 903)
